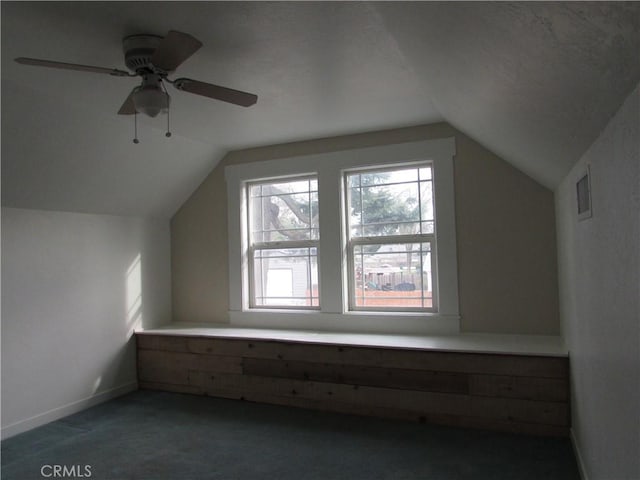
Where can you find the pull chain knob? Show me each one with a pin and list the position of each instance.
(135, 128)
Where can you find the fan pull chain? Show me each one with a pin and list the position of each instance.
(164, 88)
(168, 134)
(135, 128)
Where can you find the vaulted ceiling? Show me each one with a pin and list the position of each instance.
(534, 82)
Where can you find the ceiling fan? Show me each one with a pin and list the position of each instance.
(153, 58)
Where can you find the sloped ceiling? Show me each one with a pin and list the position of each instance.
(534, 82)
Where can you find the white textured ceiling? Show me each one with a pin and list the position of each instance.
(534, 82)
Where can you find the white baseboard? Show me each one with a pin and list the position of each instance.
(576, 449)
(65, 410)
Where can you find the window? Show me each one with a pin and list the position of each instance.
(391, 236)
(283, 238)
(355, 240)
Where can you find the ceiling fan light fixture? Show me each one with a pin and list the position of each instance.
(151, 100)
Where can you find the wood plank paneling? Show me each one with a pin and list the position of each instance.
(509, 409)
(157, 365)
(170, 387)
(522, 365)
(396, 413)
(358, 375)
(531, 388)
(515, 393)
(165, 343)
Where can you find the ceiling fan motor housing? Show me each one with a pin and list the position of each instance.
(138, 50)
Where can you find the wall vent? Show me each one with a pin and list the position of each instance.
(583, 194)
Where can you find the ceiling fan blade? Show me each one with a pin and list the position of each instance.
(174, 49)
(128, 107)
(72, 66)
(216, 92)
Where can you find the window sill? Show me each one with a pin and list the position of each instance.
(405, 323)
(536, 345)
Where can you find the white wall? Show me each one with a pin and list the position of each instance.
(599, 265)
(74, 286)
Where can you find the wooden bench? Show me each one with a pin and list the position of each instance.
(524, 390)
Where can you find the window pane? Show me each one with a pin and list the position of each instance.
(313, 207)
(386, 177)
(428, 227)
(400, 228)
(393, 275)
(426, 200)
(281, 211)
(286, 277)
(290, 186)
(385, 203)
(390, 202)
(425, 173)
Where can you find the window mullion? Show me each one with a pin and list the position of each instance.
(330, 261)
(285, 244)
(422, 273)
(391, 239)
(361, 206)
(251, 273)
(434, 276)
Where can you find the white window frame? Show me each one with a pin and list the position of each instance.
(273, 245)
(334, 313)
(353, 242)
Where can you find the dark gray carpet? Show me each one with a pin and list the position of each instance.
(159, 435)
